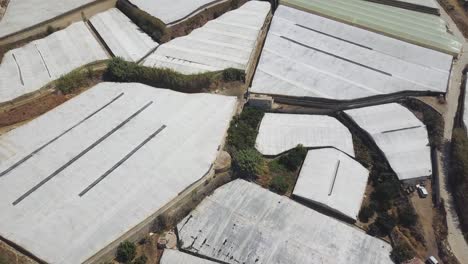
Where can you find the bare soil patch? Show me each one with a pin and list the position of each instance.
(458, 12)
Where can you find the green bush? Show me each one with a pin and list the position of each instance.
(78, 78)
(126, 252)
(458, 176)
(152, 26)
(385, 223)
(402, 253)
(242, 132)
(279, 184)
(248, 163)
(407, 217)
(232, 74)
(386, 191)
(366, 213)
(294, 158)
(119, 70)
(140, 260)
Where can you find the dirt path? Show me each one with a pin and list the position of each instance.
(455, 236)
(425, 211)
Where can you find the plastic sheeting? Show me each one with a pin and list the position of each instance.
(103, 162)
(415, 27)
(122, 36)
(281, 132)
(23, 14)
(245, 223)
(306, 55)
(332, 179)
(27, 69)
(401, 137)
(225, 42)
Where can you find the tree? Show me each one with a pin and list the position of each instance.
(126, 252)
(365, 214)
(248, 163)
(402, 253)
(407, 217)
(294, 158)
(279, 185)
(140, 260)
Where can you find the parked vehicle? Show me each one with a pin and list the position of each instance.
(432, 260)
(422, 191)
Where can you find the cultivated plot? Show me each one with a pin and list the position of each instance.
(279, 133)
(122, 36)
(23, 14)
(27, 69)
(176, 257)
(225, 42)
(334, 180)
(244, 223)
(401, 137)
(82, 175)
(306, 55)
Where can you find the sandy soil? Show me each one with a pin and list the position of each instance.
(425, 211)
(458, 13)
(9, 255)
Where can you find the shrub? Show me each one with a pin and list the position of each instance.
(279, 184)
(407, 217)
(458, 176)
(248, 163)
(140, 260)
(366, 213)
(386, 191)
(126, 252)
(402, 253)
(78, 78)
(152, 26)
(232, 74)
(242, 132)
(385, 223)
(294, 158)
(119, 70)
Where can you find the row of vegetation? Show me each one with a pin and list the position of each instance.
(126, 253)
(152, 26)
(278, 174)
(388, 212)
(119, 70)
(458, 177)
(76, 79)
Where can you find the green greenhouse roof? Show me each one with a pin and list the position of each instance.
(418, 28)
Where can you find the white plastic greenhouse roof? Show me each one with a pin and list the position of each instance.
(306, 55)
(244, 223)
(225, 42)
(176, 257)
(23, 14)
(401, 137)
(85, 173)
(332, 179)
(281, 132)
(122, 36)
(27, 69)
(170, 11)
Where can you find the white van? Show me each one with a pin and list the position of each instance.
(432, 260)
(422, 191)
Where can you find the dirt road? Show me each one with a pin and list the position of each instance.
(455, 236)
